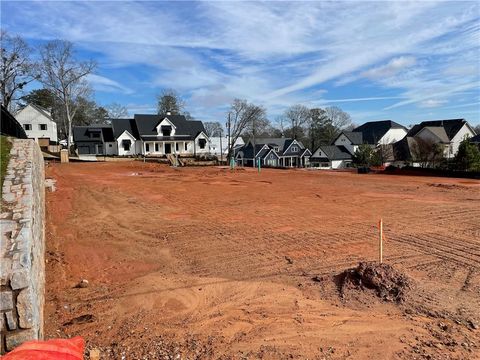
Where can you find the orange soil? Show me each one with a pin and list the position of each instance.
(228, 256)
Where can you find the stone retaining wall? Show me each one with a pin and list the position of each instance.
(22, 246)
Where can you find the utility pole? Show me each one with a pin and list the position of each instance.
(229, 141)
(253, 136)
(221, 149)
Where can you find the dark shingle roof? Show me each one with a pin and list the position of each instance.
(373, 131)
(120, 125)
(248, 150)
(451, 126)
(146, 125)
(334, 152)
(280, 142)
(475, 139)
(355, 137)
(82, 133)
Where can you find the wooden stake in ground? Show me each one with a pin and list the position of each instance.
(380, 239)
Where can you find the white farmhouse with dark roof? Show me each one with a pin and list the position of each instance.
(38, 124)
(374, 133)
(149, 135)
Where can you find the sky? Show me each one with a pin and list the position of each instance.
(398, 60)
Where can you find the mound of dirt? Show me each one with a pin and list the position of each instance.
(386, 282)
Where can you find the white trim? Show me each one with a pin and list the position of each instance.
(267, 154)
(128, 132)
(294, 141)
(200, 133)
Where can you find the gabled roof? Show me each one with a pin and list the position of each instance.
(82, 133)
(334, 152)
(248, 150)
(280, 142)
(402, 150)
(451, 126)
(121, 125)
(438, 131)
(146, 125)
(40, 109)
(355, 137)
(264, 153)
(475, 139)
(373, 131)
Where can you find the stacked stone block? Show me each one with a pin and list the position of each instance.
(22, 246)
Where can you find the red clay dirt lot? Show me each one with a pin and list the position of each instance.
(207, 263)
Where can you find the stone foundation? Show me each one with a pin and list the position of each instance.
(22, 247)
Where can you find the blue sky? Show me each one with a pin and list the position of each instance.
(405, 61)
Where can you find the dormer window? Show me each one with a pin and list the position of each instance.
(294, 149)
(275, 148)
(166, 130)
(95, 134)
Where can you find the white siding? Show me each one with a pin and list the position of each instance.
(215, 144)
(392, 135)
(464, 132)
(343, 140)
(126, 136)
(165, 122)
(206, 149)
(33, 117)
(111, 148)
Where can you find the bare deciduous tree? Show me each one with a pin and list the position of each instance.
(426, 152)
(339, 118)
(298, 115)
(240, 117)
(170, 101)
(213, 128)
(16, 68)
(384, 153)
(116, 111)
(65, 76)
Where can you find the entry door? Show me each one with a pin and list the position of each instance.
(99, 149)
(168, 148)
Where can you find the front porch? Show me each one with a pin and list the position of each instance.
(294, 161)
(163, 148)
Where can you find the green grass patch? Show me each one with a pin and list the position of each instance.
(5, 146)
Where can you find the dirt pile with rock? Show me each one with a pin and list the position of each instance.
(386, 282)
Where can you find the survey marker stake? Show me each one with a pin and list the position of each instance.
(380, 241)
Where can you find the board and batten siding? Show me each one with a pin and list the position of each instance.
(34, 118)
(133, 148)
(206, 149)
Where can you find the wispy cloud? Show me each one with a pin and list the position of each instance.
(103, 83)
(422, 54)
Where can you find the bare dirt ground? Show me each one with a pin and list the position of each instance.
(208, 263)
